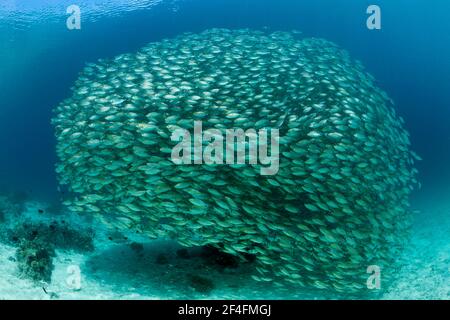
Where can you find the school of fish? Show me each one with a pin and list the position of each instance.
(340, 201)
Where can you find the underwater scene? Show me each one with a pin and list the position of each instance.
(225, 149)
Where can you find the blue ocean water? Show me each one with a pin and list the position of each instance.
(40, 59)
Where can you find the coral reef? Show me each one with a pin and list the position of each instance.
(36, 244)
(56, 233)
(35, 259)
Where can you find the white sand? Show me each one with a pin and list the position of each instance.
(427, 274)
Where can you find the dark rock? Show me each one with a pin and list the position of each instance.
(201, 284)
(221, 259)
(183, 253)
(162, 259)
(138, 248)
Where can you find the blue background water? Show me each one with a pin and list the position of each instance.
(40, 59)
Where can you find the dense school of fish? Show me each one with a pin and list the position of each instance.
(339, 202)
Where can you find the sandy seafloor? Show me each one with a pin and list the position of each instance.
(115, 271)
